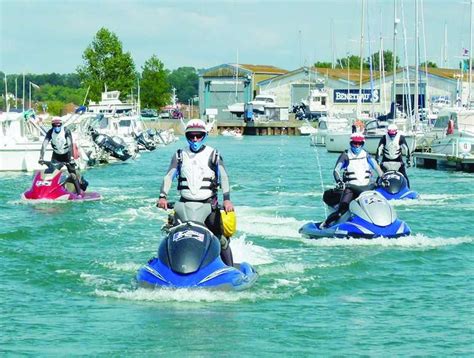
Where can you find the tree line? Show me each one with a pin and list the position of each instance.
(105, 64)
(353, 62)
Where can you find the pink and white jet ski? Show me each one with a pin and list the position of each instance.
(53, 184)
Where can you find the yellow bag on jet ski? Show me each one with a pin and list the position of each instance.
(229, 223)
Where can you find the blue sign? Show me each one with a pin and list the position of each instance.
(352, 96)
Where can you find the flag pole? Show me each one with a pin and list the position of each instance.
(23, 94)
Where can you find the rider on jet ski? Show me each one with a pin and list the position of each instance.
(390, 147)
(200, 170)
(61, 141)
(354, 166)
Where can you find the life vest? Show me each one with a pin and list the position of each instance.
(392, 149)
(198, 174)
(358, 170)
(59, 142)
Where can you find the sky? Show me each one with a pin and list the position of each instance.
(45, 36)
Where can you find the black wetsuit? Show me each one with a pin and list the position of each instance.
(382, 151)
(64, 155)
(351, 190)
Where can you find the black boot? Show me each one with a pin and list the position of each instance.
(226, 256)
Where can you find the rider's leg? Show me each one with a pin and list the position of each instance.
(213, 222)
(403, 171)
(75, 176)
(346, 198)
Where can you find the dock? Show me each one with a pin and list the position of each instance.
(258, 128)
(437, 160)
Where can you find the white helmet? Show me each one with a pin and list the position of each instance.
(196, 134)
(392, 130)
(195, 125)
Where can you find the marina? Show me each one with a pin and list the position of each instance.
(237, 179)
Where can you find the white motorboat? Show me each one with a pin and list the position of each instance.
(457, 142)
(21, 138)
(329, 124)
(307, 129)
(260, 105)
(316, 105)
(110, 104)
(235, 133)
(374, 131)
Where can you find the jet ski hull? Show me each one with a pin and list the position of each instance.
(216, 275)
(51, 188)
(355, 228)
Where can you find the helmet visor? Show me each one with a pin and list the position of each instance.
(197, 135)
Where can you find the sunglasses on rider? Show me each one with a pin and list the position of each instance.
(198, 135)
(357, 144)
(57, 125)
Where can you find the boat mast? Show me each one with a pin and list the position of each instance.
(424, 53)
(7, 109)
(417, 73)
(333, 60)
(371, 69)
(237, 77)
(470, 57)
(359, 100)
(394, 54)
(445, 46)
(383, 95)
(23, 95)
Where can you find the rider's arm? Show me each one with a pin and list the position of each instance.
(168, 178)
(341, 164)
(374, 165)
(224, 179)
(69, 144)
(380, 147)
(404, 145)
(47, 138)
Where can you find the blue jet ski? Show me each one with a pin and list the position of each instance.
(189, 257)
(398, 187)
(369, 216)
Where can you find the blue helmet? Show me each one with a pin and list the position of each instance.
(357, 142)
(196, 134)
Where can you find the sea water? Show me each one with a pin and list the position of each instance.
(68, 269)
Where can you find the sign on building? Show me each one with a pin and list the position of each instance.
(352, 96)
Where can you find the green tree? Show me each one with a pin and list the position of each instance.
(186, 82)
(428, 64)
(353, 60)
(154, 86)
(387, 60)
(323, 64)
(105, 64)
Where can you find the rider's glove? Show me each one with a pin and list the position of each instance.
(385, 183)
(41, 161)
(408, 162)
(340, 185)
